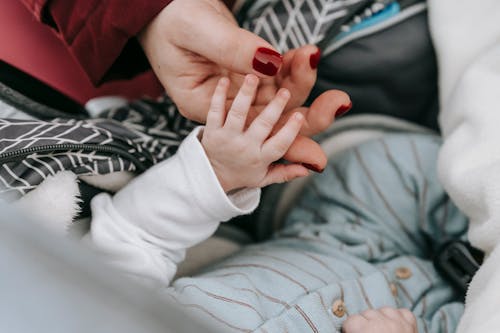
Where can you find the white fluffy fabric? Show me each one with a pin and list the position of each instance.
(112, 182)
(466, 34)
(54, 203)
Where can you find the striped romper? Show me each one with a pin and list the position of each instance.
(362, 236)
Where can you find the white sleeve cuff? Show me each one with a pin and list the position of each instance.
(147, 226)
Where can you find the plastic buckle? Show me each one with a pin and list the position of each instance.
(459, 261)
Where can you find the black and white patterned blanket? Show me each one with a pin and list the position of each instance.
(289, 24)
(130, 138)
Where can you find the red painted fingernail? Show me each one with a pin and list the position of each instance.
(313, 167)
(315, 58)
(267, 61)
(343, 110)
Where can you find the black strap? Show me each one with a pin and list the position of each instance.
(458, 261)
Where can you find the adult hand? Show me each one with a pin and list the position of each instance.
(191, 44)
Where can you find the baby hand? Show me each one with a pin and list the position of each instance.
(385, 320)
(243, 157)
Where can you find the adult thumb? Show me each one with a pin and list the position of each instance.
(307, 152)
(219, 39)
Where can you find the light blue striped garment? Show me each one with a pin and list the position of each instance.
(363, 233)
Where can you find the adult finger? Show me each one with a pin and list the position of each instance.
(217, 111)
(281, 173)
(324, 109)
(237, 115)
(263, 125)
(306, 151)
(208, 32)
(298, 74)
(322, 112)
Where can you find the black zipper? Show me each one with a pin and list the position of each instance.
(17, 155)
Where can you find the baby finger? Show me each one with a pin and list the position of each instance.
(276, 146)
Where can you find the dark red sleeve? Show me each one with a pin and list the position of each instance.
(100, 34)
(35, 6)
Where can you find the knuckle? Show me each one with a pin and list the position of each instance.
(388, 310)
(215, 107)
(289, 177)
(353, 324)
(234, 51)
(278, 149)
(254, 161)
(281, 148)
(237, 113)
(284, 178)
(369, 312)
(408, 315)
(266, 123)
(324, 121)
(406, 312)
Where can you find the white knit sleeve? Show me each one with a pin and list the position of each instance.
(145, 228)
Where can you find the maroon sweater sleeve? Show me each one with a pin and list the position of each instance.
(35, 6)
(100, 34)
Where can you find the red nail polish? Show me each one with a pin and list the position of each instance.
(313, 167)
(315, 58)
(267, 61)
(343, 110)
